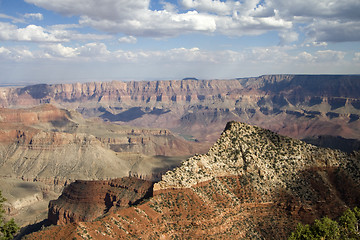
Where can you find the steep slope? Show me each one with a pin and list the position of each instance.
(51, 147)
(252, 184)
(87, 200)
(48, 142)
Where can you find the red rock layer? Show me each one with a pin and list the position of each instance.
(223, 208)
(87, 200)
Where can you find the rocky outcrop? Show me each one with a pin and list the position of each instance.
(244, 149)
(252, 184)
(86, 200)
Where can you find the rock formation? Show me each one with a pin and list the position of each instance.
(294, 105)
(53, 147)
(252, 184)
(86, 200)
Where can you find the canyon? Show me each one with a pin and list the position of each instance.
(44, 148)
(56, 136)
(299, 106)
(252, 184)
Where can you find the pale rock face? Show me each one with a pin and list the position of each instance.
(248, 150)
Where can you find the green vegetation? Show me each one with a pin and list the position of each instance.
(7, 229)
(347, 227)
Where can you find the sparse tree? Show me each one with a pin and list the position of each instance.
(350, 224)
(347, 227)
(7, 229)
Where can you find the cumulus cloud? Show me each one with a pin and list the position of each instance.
(15, 54)
(345, 9)
(36, 16)
(213, 6)
(326, 20)
(305, 57)
(329, 56)
(322, 56)
(58, 50)
(334, 31)
(136, 19)
(89, 51)
(4, 51)
(34, 33)
(10, 32)
(128, 39)
(287, 37)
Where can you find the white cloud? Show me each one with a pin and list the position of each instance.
(136, 19)
(36, 16)
(275, 54)
(287, 37)
(33, 33)
(333, 31)
(128, 39)
(58, 50)
(16, 54)
(329, 56)
(14, 19)
(323, 21)
(345, 9)
(305, 57)
(96, 62)
(4, 51)
(213, 6)
(93, 50)
(356, 56)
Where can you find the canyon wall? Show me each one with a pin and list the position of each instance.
(252, 184)
(295, 105)
(86, 200)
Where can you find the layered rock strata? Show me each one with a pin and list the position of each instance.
(252, 184)
(294, 105)
(86, 200)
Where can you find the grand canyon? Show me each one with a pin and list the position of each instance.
(222, 158)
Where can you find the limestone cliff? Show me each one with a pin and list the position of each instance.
(294, 105)
(252, 184)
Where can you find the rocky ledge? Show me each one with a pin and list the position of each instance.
(87, 200)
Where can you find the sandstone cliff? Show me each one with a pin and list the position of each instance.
(294, 105)
(252, 184)
(86, 200)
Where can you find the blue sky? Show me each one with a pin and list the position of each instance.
(63, 41)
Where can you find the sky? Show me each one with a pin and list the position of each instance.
(66, 41)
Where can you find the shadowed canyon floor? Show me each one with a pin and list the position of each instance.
(252, 184)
